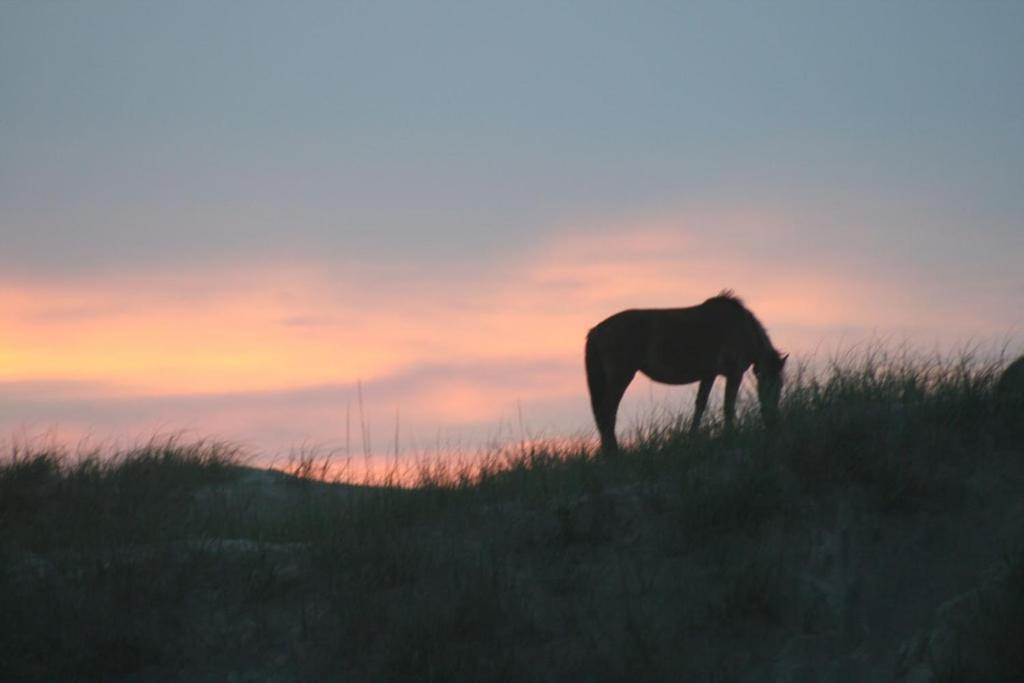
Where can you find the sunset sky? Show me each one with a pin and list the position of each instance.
(224, 218)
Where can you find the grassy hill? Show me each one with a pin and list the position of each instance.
(876, 535)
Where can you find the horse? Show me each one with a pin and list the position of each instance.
(682, 346)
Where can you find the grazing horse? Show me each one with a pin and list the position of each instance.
(680, 346)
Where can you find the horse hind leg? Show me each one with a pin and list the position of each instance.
(609, 409)
(607, 384)
(596, 382)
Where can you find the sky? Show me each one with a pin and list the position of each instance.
(276, 222)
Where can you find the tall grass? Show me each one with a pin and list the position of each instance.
(533, 563)
(52, 499)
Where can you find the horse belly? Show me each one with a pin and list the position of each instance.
(667, 375)
(670, 362)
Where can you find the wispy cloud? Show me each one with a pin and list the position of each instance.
(435, 405)
(273, 351)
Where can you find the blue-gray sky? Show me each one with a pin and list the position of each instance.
(154, 154)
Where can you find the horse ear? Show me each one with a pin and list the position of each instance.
(782, 359)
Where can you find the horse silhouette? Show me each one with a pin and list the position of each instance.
(681, 346)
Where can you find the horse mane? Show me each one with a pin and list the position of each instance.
(728, 295)
(762, 337)
(760, 334)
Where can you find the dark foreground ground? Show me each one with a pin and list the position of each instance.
(877, 535)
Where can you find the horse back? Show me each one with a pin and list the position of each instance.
(675, 345)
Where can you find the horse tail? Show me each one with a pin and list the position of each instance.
(596, 381)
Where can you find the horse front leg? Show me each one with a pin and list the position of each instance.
(702, 402)
(732, 389)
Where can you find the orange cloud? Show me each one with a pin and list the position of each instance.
(233, 330)
(230, 338)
